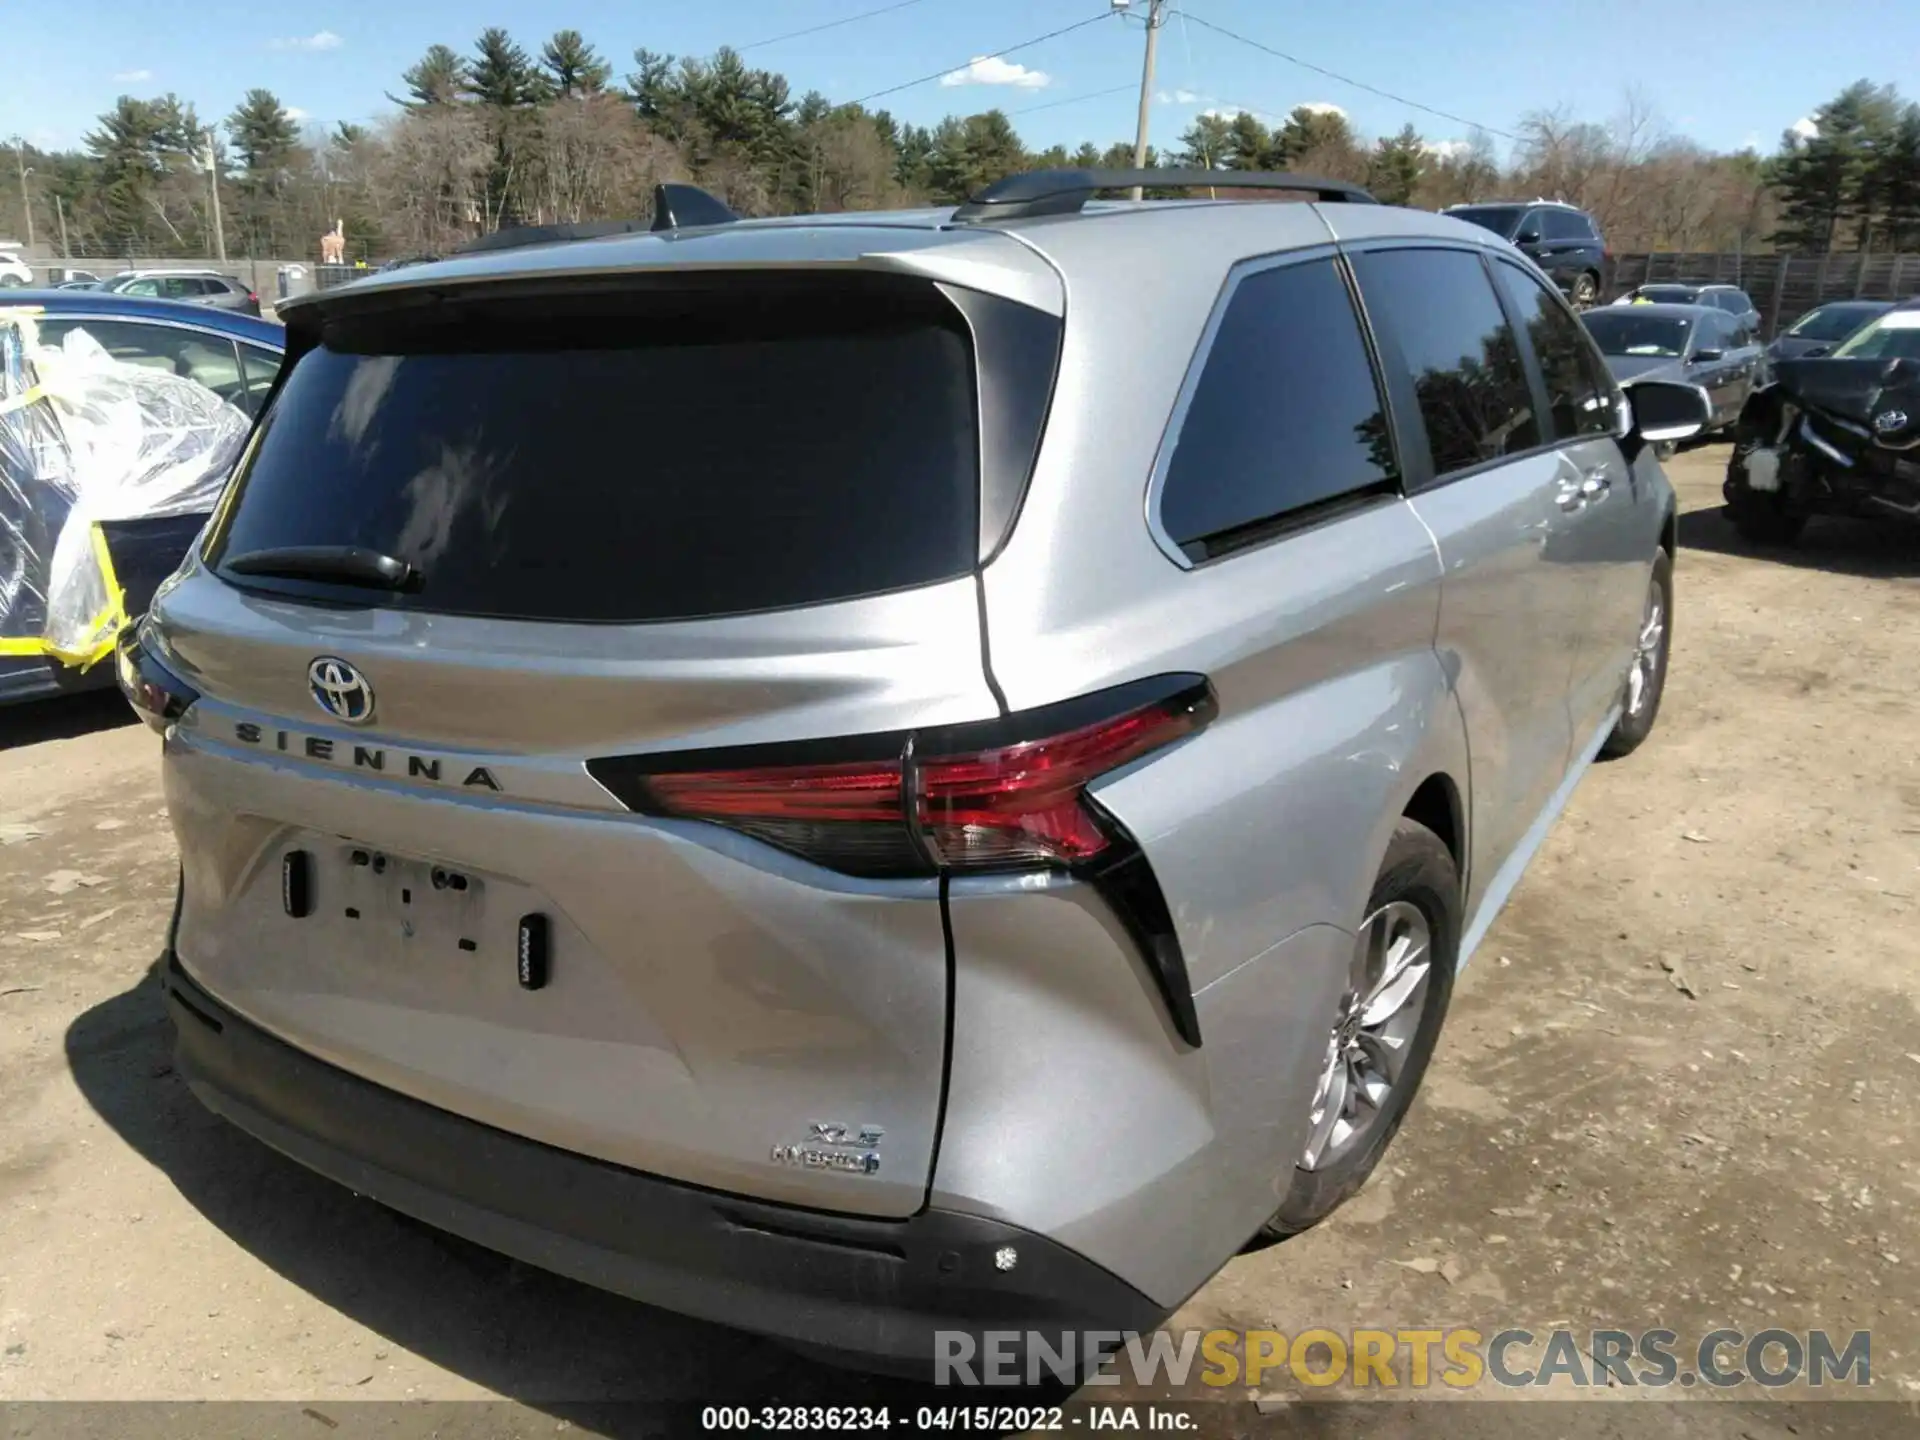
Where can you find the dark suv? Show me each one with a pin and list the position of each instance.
(1561, 240)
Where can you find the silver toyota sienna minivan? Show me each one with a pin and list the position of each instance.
(873, 775)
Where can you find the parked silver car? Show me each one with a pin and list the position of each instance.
(872, 775)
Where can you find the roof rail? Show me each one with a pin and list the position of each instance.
(1066, 192)
(675, 207)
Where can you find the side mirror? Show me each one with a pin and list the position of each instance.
(1705, 356)
(1659, 410)
(1527, 237)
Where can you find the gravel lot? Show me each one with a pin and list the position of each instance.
(1677, 1086)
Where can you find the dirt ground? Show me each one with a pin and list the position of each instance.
(1676, 1089)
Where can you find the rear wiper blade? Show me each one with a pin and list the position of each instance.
(338, 564)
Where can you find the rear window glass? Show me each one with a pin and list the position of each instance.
(629, 457)
(1502, 220)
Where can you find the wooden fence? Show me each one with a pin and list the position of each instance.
(1784, 287)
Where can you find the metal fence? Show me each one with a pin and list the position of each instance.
(1784, 287)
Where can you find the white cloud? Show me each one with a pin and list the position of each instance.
(1805, 128)
(319, 40)
(991, 70)
(1445, 149)
(296, 114)
(129, 77)
(1752, 142)
(1226, 112)
(1322, 107)
(1179, 97)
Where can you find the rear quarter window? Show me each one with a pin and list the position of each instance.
(627, 458)
(1285, 417)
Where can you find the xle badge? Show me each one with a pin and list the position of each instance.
(853, 1150)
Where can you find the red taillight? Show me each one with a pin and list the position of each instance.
(1023, 804)
(788, 792)
(942, 804)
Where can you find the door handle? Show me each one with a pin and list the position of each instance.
(1571, 497)
(1595, 484)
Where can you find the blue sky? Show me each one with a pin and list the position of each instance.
(1488, 61)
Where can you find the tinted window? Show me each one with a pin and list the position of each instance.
(1503, 220)
(1833, 322)
(1579, 391)
(207, 360)
(1285, 414)
(1567, 225)
(710, 449)
(1667, 294)
(1623, 330)
(1455, 339)
(147, 286)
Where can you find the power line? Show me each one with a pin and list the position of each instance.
(830, 25)
(1076, 99)
(1347, 79)
(973, 59)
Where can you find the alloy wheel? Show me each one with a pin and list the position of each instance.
(1647, 653)
(1378, 1021)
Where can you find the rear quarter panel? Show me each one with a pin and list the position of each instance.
(1265, 831)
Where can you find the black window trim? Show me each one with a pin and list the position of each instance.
(1257, 534)
(1530, 359)
(306, 334)
(1410, 433)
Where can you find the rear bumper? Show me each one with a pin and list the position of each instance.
(875, 1291)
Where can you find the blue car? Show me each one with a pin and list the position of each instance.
(235, 356)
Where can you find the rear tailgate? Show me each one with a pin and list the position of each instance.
(639, 524)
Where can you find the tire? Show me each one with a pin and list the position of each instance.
(11, 282)
(1586, 290)
(1640, 702)
(1418, 872)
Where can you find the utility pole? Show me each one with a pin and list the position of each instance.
(1156, 13)
(60, 210)
(26, 201)
(213, 186)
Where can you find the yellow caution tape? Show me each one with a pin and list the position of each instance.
(23, 399)
(109, 622)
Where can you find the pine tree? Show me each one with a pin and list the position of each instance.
(573, 66)
(1396, 167)
(501, 74)
(126, 149)
(1207, 143)
(264, 137)
(437, 78)
(262, 132)
(1825, 180)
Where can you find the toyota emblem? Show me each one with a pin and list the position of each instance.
(1889, 421)
(340, 690)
